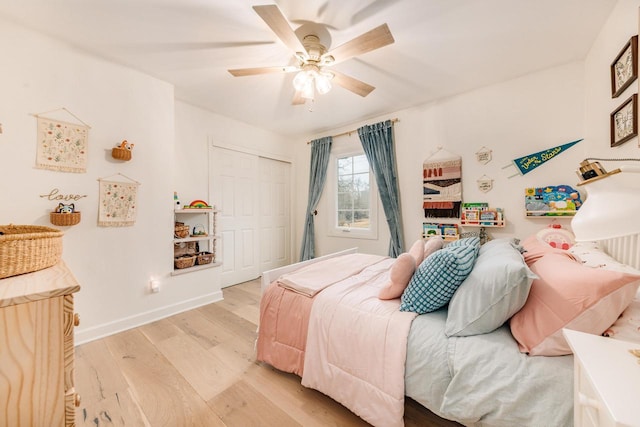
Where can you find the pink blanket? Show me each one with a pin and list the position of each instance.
(282, 337)
(284, 312)
(356, 347)
(313, 278)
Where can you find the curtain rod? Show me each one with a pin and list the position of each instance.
(349, 132)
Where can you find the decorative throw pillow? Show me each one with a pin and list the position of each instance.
(417, 251)
(569, 295)
(399, 276)
(432, 244)
(534, 249)
(438, 277)
(466, 241)
(495, 290)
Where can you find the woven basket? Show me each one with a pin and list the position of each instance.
(184, 261)
(64, 219)
(120, 153)
(204, 258)
(27, 248)
(181, 231)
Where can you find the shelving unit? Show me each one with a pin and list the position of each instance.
(481, 216)
(197, 219)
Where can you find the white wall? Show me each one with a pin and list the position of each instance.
(513, 118)
(113, 265)
(197, 129)
(621, 25)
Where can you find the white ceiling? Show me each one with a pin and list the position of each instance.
(442, 47)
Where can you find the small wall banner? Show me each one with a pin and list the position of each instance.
(118, 203)
(526, 164)
(61, 146)
(442, 185)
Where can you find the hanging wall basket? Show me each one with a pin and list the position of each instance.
(64, 219)
(120, 153)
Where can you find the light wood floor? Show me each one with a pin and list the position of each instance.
(198, 369)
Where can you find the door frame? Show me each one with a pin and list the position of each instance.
(212, 144)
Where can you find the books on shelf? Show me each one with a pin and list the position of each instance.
(481, 215)
(447, 231)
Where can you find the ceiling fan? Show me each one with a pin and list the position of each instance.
(313, 59)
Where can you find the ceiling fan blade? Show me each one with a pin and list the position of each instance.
(274, 18)
(298, 99)
(354, 85)
(188, 46)
(241, 72)
(371, 40)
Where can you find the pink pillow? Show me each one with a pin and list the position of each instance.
(417, 251)
(536, 249)
(432, 244)
(569, 295)
(399, 276)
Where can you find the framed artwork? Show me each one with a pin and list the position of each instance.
(624, 121)
(624, 69)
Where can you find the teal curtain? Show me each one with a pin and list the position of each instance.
(320, 149)
(377, 141)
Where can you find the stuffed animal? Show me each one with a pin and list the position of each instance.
(62, 208)
(126, 145)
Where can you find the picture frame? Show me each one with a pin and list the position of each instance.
(624, 69)
(624, 121)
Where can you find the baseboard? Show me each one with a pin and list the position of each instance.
(96, 332)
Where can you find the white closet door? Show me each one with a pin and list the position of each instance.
(254, 222)
(235, 192)
(275, 213)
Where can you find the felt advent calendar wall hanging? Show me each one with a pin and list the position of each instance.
(442, 185)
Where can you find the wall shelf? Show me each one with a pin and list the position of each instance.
(192, 245)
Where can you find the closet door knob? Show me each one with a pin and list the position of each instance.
(76, 319)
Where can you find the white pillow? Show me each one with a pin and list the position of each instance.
(496, 288)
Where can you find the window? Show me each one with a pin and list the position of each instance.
(354, 205)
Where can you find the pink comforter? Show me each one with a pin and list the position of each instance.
(282, 337)
(286, 304)
(356, 347)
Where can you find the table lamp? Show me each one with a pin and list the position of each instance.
(612, 204)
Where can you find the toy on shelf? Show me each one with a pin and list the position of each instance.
(481, 215)
(199, 231)
(553, 200)
(556, 236)
(198, 204)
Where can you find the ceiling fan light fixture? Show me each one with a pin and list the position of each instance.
(311, 79)
(307, 91)
(302, 79)
(323, 82)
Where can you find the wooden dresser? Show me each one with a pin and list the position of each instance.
(36, 348)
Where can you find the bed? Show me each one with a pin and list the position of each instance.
(476, 359)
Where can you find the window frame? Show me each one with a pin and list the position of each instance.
(332, 200)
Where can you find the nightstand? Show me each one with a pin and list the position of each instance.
(606, 381)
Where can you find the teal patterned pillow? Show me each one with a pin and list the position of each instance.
(439, 276)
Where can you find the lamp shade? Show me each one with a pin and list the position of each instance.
(611, 207)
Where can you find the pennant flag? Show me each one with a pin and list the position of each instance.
(526, 164)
